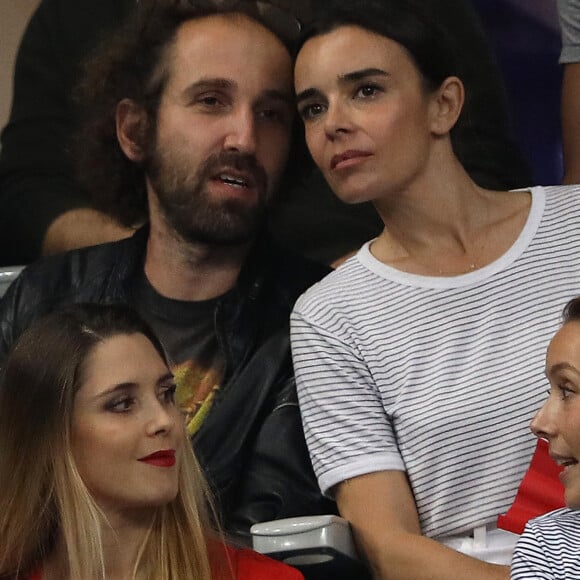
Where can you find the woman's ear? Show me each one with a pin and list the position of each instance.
(448, 102)
(131, 123)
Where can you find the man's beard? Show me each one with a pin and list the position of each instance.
(187, 205)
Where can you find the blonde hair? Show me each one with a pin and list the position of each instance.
(43, 499)
(178, 544)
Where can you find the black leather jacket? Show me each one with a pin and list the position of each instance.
(251, 445)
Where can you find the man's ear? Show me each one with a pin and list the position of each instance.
(131, 122)
(448, 102)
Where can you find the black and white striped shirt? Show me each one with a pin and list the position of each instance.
(549, 548)
(437, 376)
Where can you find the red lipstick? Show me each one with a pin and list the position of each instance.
(163, 458)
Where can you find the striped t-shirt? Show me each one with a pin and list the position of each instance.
(437, 376)
(549, 548)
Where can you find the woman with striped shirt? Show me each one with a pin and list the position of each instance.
(419, 360)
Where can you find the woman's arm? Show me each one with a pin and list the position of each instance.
(569, 13)
(382, 512)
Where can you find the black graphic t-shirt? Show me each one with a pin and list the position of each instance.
(187, 331)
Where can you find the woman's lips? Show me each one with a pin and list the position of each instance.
(163, 458)
(348, 159)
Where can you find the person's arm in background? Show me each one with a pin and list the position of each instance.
(44, 209)
(80, 227)
(569, 12)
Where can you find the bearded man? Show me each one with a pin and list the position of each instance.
(187, 129)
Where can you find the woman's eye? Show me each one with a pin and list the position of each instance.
(367, 91)
(120, 405)
(312, 111)
(565, 392)
(168, 395)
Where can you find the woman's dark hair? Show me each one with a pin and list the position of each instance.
(571, 311)
(38, 383)
(133, 64)
(404, 21)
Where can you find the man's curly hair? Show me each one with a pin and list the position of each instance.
(133, 64)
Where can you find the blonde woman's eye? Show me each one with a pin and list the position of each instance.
(169, 395)
(120, 405)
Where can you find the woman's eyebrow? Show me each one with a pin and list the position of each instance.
(558, 367)
(357, 75)
(306, 94)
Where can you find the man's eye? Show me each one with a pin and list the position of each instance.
(274, 115)
(210, 101)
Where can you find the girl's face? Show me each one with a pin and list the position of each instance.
(558, 420)
(127, 433)
(367, 115)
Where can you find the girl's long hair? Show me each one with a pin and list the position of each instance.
(43, 499)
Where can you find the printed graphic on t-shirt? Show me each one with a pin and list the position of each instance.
(197, 386)
(187, 330)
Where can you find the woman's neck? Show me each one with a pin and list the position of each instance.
(446, 225)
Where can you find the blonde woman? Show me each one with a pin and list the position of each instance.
(97, 479)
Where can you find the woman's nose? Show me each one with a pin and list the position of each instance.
(336, 121)
(161, 420)
(543, 425)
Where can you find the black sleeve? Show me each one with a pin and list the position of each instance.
(278, 480)
(251, 445)
(18, 307)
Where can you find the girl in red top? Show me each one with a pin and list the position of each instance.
(97, 479)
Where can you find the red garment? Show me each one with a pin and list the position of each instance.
(247, 565)
(540, 492)
(250, 565)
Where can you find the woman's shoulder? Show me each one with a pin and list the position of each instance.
(557, 195)
(251, 565)
(560, 522)
(350, 280)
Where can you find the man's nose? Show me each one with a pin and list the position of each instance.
(241, 133)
